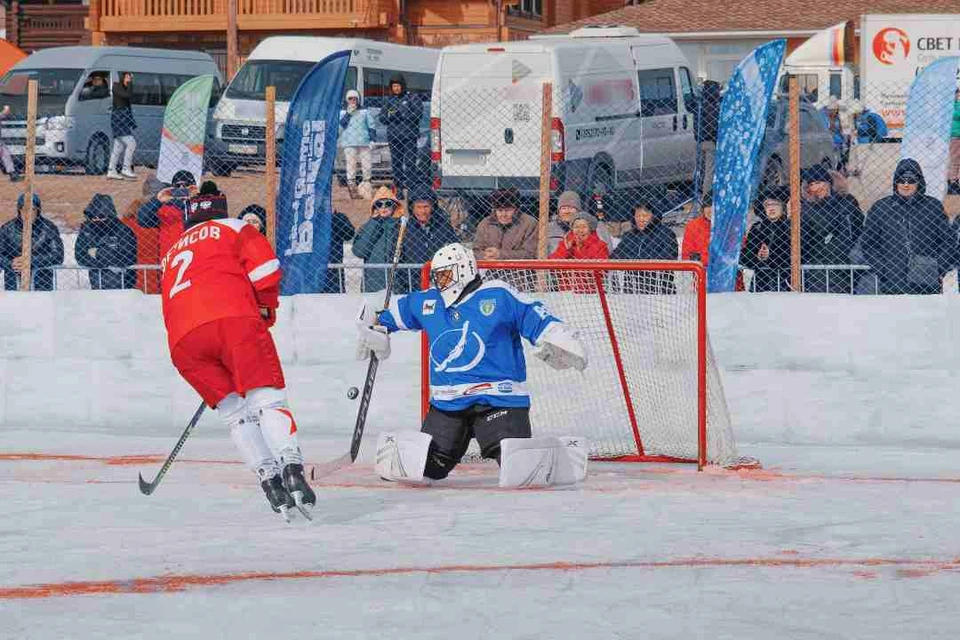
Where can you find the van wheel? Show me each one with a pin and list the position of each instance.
(222, 169)
(98, 157)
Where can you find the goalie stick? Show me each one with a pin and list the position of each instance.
(374, 361)
(146, 488)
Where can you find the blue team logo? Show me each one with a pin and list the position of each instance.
(487, 306)
(457, 350)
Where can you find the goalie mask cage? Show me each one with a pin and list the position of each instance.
(651, 391)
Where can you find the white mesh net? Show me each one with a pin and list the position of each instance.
(652, 324)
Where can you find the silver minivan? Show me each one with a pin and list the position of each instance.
(74, 102)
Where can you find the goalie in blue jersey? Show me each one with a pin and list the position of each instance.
(477, 377)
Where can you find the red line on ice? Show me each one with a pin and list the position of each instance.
(148, 458)
(175, 583)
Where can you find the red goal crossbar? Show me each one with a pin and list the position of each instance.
(598, 268)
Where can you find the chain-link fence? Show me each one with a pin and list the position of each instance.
(618, 167)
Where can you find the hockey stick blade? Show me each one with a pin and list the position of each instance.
(329, 468)
(146, 488)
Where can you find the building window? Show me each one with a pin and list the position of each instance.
(532, 9)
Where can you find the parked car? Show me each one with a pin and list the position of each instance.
(74, 101)
(816, 143)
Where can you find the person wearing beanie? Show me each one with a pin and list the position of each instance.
(376, 240)
(906, 238)
(506, 234)
(46, 250)
(827, 232)
(570, 206)
(581, 243)
(209, 204)
(358, 131)
(255, 215)
(401, 113)
(171, 214)
(768, 245)
(428, 229)
(106, 246)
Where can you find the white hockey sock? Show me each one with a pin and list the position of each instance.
(268, 406)
(246, 437)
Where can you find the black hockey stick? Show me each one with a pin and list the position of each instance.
(374, 361)
(146, 488)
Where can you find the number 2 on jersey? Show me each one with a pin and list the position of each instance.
(181, 260)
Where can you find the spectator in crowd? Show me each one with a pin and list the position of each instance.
(428, 229)
(148, 238)
(568, 208)
(767, 249)
(580, 243)
(341, 231)
(826, 236)
(696, 235)
(6, 159)
(953, 171)
(46, 249)
(870, 126)
(649, 239)
(706, 125)
(255, 215)
(907, 239)
(401, 112)
(376, 240)
(170, 210)
(95, 88)
(506, 234)
(122, 124)
(841, 142)
(358, 130)
(105, 246)
(840, 187)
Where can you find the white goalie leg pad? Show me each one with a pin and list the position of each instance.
(402, 457)
(542, 462)
(268, 407)
(247, 437)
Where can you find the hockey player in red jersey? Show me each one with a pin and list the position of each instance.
(220, 289)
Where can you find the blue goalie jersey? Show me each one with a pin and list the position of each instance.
(475, 351)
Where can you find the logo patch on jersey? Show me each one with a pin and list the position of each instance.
(487, 306)
(505, 387)
(429, 306)
(457, 350)
(455, 315)
(478, 388)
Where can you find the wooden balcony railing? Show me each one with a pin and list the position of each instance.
(252, 15)
(33, 27)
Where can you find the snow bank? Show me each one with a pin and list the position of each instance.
(797, 369)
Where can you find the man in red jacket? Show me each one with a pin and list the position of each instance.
(169, 210)
(220, 292)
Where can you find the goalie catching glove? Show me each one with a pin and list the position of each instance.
(371, 336)
(561, 348)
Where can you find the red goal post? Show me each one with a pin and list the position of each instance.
(649, 393)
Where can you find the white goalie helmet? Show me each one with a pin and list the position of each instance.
(452, 268)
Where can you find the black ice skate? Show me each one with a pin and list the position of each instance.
(280, 501)
(303, 496)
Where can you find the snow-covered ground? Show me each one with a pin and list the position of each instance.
(849, 531)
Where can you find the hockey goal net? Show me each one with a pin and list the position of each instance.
(651, 391)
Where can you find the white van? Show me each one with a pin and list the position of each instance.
(283, 61)
(73, 115)
(622, 114)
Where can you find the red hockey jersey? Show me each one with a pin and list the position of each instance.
(217, 269)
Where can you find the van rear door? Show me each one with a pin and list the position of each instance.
(490, 106)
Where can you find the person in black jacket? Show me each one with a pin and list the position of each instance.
(122, 125)
(649, 240)
(105, 246)
(402, 112)
(46, 250)
(428, 229)
(826, 234)
(767, 249)
(906, 238)
(706, 119)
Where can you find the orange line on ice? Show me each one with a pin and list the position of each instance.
(110, 460)
(175, 583)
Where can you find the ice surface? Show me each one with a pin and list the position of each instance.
(850, 531)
